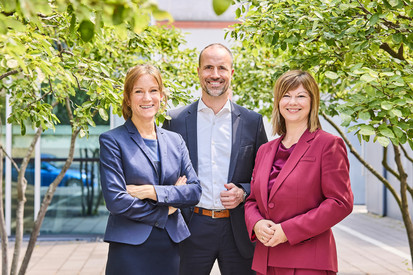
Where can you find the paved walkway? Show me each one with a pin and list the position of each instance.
(367, 244)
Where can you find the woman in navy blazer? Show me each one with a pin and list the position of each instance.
(146, 175)
(300, 186)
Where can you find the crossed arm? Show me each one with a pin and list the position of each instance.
(147, 191)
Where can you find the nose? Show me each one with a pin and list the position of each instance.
(215, 73)
(293, 100)
(146, 96)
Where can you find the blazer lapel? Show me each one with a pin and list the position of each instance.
(136, 137)
(163, 151)
(236, 139)
(191, 134)
(300, 149)
(265, 170)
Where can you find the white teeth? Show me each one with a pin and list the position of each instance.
(146, 107)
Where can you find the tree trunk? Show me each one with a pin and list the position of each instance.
(3, 231)
(21, 200)
(45, 204)
(403, 194)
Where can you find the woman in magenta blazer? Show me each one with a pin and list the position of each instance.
(300, 186)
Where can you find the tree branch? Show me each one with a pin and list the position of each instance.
(386, 165)
(10, 73)
(363, 161)
(406, 154)
(10, 158)
(390, 51)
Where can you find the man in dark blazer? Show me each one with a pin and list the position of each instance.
(223, 139)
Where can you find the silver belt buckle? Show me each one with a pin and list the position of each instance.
(213, 214)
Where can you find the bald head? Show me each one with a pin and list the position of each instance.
(215, 45)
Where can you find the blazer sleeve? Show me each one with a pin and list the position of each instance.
(184, 195)
(252, 212)
(113, 182)
(336, 189)
(260, 139)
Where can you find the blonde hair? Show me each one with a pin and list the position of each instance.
(132, 76)
(289, 81)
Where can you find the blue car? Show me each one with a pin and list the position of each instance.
(49, 171)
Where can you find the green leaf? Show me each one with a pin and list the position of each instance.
(386, 105)
(399, 133)
(367, 130)
(396, 112)
(364, 115)
(373, 19)
(103, 114)
(86, 30)
(11, 63)
(386, 132)
(346, 119)
(8, 6)
(90, 121)
(331, 75)
(220, 6)
(162, 15)
(72, 23)
(397, 38)
(383, 141)
(118, 14)
(238, 13)
(367, 78)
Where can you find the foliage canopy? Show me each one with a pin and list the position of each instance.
(360, 52)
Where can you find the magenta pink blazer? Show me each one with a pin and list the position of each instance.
(311, 194)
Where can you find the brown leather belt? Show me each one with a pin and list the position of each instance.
(215, 214)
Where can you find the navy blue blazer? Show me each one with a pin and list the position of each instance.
(248, 134)
(124, 159)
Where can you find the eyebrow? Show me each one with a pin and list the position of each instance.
(157, 87)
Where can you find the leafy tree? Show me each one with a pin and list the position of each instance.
(361, 53)
(51, 51)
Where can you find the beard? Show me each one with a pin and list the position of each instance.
(216, 92)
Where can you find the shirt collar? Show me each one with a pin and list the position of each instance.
(226, 108)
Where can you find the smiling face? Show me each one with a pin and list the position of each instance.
(295, 106)
(215, 71)
(145, 98)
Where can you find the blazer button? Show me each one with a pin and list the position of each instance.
(271, 205)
